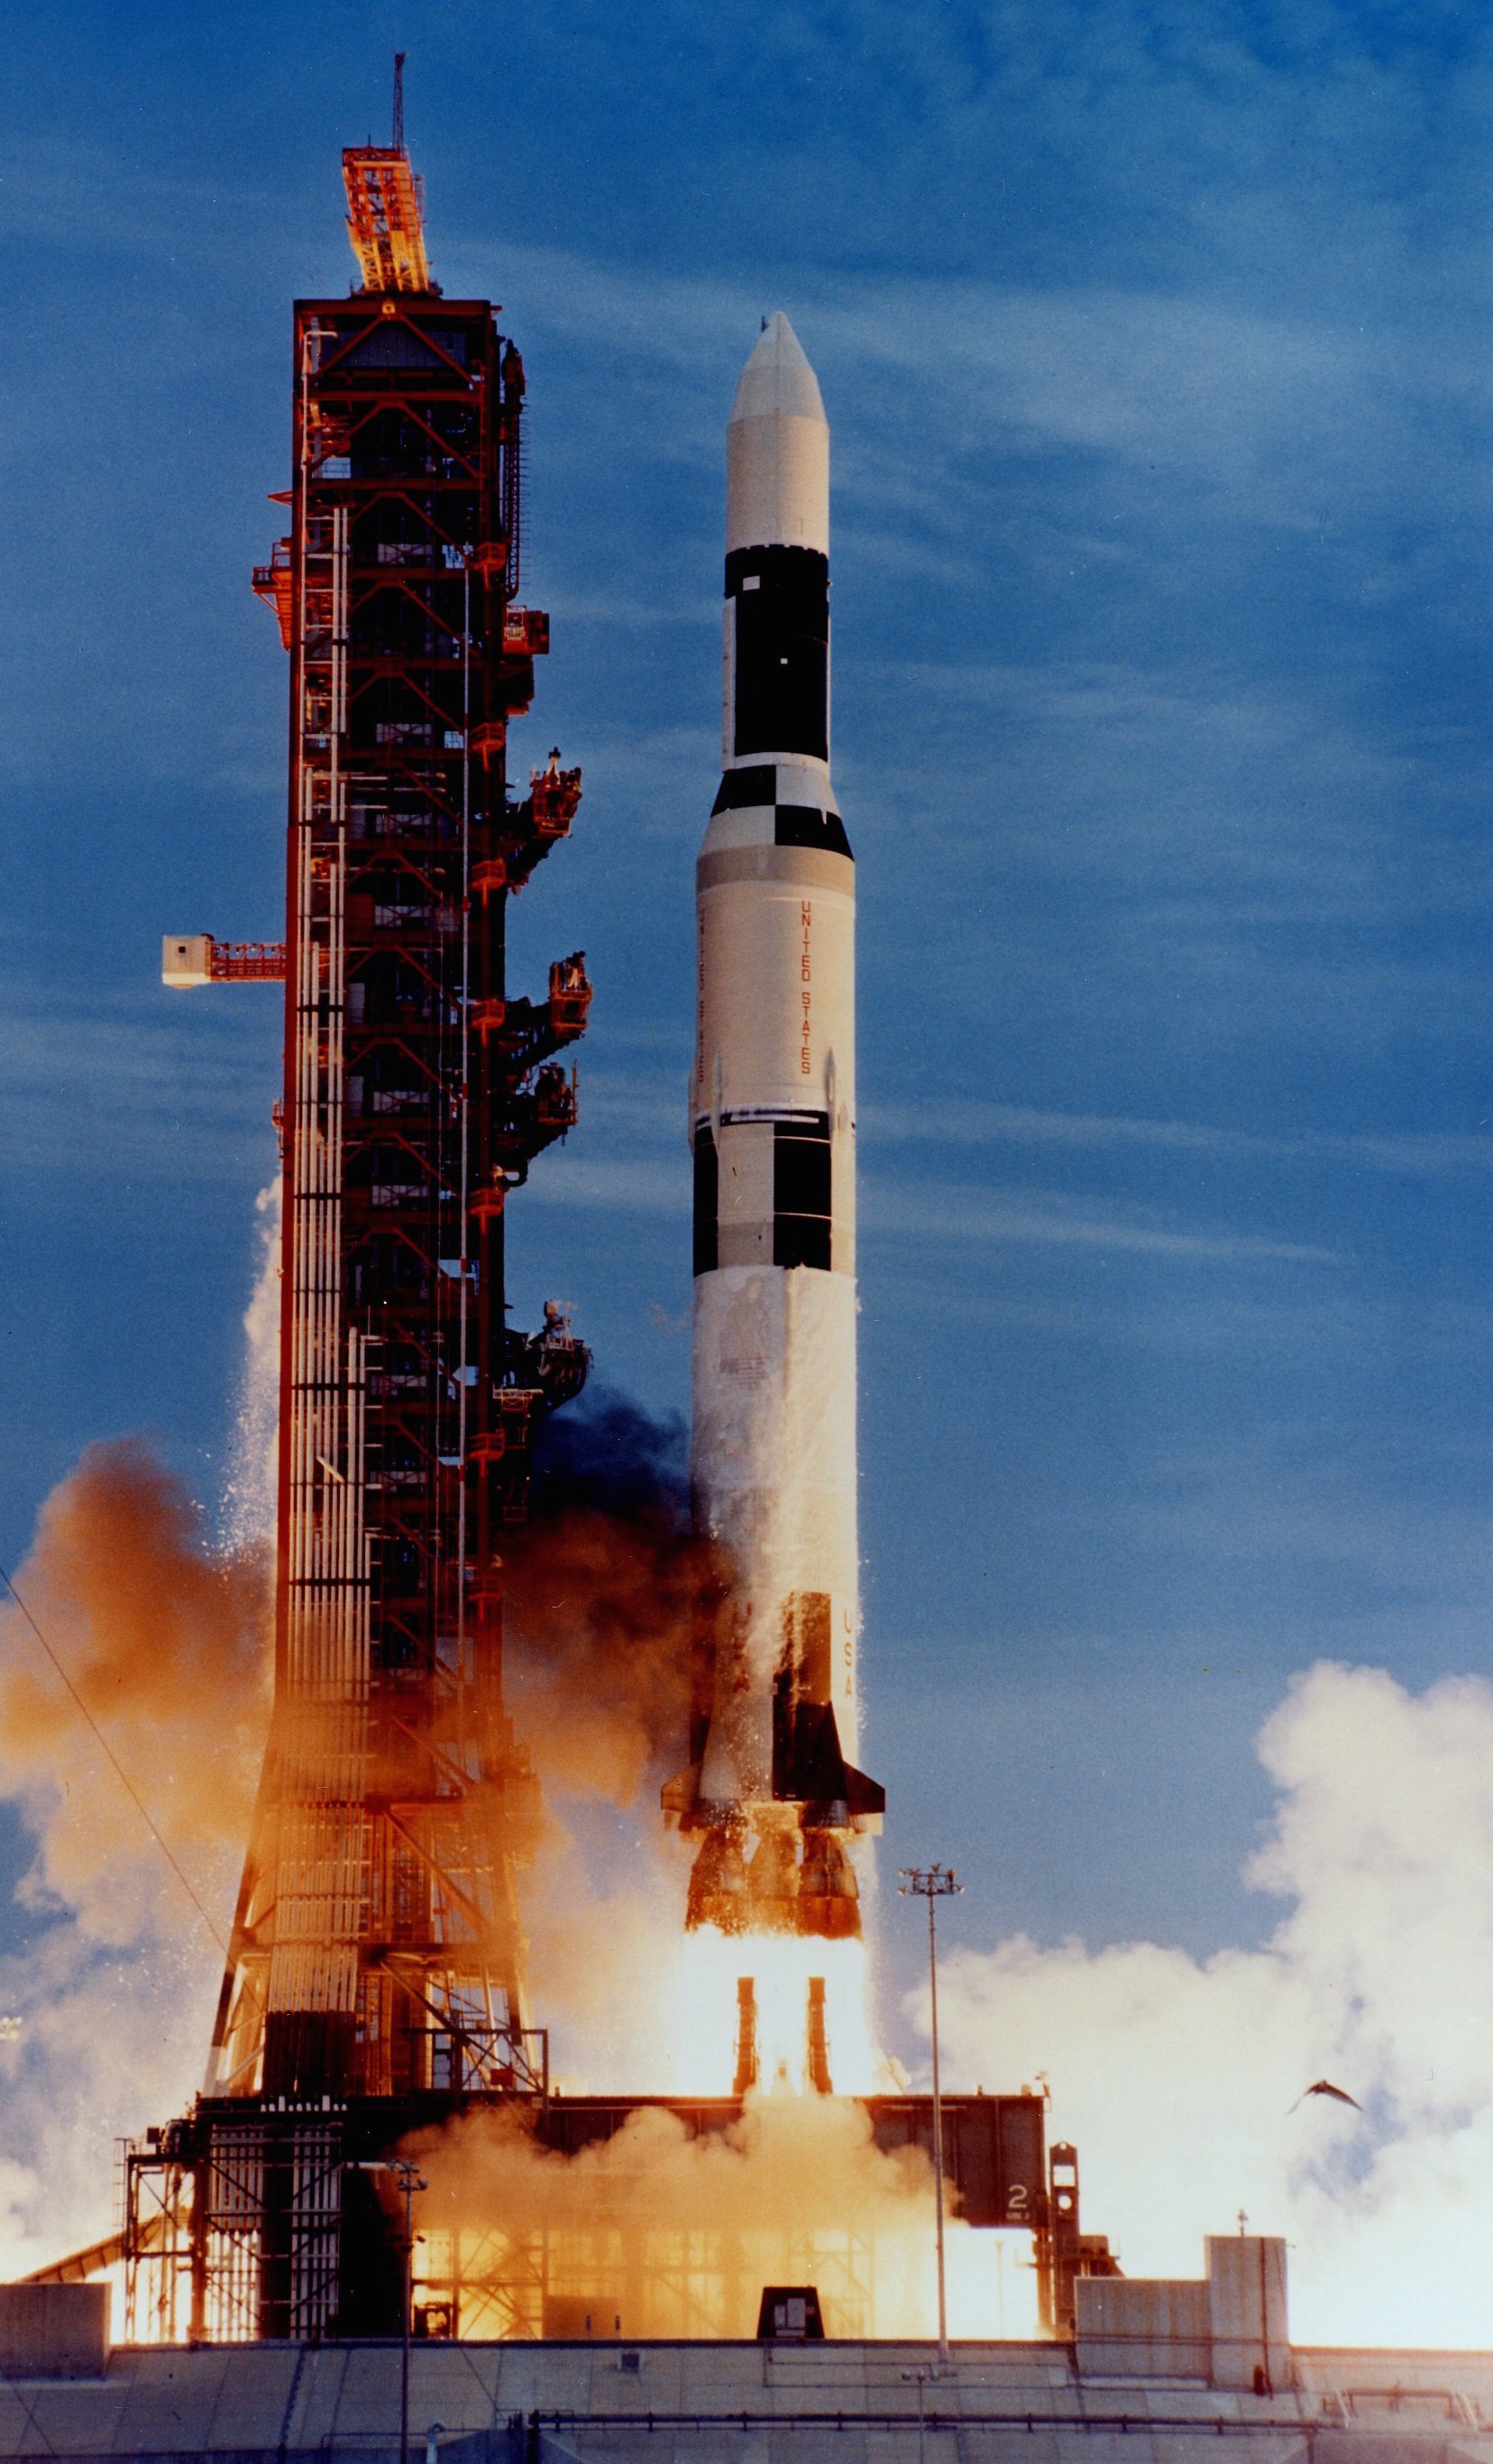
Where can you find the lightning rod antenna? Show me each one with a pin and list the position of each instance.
(400, 58)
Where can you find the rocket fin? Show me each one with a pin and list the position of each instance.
(867, 1799)
(809, 1767)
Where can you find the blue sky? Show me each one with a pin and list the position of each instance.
(1153, 340)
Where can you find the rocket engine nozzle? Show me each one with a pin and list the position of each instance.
(797, 1879)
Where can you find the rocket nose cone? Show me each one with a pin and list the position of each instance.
(778, 377)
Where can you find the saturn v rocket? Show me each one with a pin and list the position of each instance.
(771, 1792)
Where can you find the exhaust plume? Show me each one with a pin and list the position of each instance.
(166, 1642)
(616, 1608)
(612, 1603)
(253, 1461)
(612, 1606)
(656, 2234)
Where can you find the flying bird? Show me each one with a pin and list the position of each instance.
(1324, 2088)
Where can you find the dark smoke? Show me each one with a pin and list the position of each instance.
(613, 1602)
(607, 1455)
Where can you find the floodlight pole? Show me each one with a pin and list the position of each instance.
(935, 1882)
(408, 2179)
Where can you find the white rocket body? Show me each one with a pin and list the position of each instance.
(773, 1127)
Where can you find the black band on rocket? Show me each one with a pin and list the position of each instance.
(754, 787)
(804, 825)
(802, 1214)
(782, 650)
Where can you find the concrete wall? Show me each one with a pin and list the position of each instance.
(54, 2331)
(850, 2402)
(1246, 2303)
(1228, 2328)
(1140, 2328)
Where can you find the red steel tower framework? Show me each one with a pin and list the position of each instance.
(377, 1947)
(375, 1976)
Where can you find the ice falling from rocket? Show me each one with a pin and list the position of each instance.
(772, 1121)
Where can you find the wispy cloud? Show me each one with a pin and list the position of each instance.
(124, 1087)
(917, 1209)
(930, 1211)
(642, 1108)
(1337, 1325)
(627, 1187)
(978, 1124)
(1244, 397)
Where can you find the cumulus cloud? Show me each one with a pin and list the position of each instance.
(1175, 2077)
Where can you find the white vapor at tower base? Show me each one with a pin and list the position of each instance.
(772, 1117)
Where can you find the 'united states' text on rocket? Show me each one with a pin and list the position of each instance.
(772, 1789)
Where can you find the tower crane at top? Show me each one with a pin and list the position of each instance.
(386, 208)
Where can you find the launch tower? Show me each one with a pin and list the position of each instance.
(375, 1971)
(377, 1944)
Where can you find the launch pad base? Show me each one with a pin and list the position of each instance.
(253, 2218)
(846, 2401)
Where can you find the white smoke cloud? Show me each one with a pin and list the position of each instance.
(1176, 2078)
(163, 1634)
(108, 2045)
(249, 1492)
